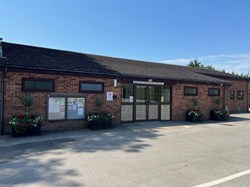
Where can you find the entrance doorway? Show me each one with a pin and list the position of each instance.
(147, 102)
(143, 102)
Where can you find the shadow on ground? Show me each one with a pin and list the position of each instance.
(31, 171)
(120, 138)
(23, 159)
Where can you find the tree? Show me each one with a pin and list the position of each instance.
(195, 63)
(27, 101)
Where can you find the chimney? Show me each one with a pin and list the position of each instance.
(1, 49)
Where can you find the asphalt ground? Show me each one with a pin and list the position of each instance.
(138, 154)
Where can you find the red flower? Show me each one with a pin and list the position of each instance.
(21, 116)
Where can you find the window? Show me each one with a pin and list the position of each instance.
(232, 94)
(213, 91)
(96, 87)
(38, 85)
(190, 91)
(127, 93)
(66, 107)
(240, 95)
(165, 94)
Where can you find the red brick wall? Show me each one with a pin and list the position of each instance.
(70, 84)
(63, 84)
(237, 105)
(181, 103)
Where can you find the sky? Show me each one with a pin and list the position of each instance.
(216, 32)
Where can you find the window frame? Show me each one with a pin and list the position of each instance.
(188, 87)
(38, 80)
(232, 97)
(65, 96)
(238, 95)
(170, 93)
(91, 82)
(209, 94)
(124, 102)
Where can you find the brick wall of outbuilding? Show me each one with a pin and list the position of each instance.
(238, 105)
(63, 84)
(181, 103)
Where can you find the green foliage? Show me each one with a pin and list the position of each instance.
(195, 101)
(24, 123)
(197, 114)
(28, 100)
(195, 63)
(106, 118)
(217, 101)
(98, 102)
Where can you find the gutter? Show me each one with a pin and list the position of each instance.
(2, 100)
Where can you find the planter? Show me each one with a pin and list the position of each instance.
(195, 119)
(97, 125)
(192, 116)
(30, 131)
(219, 115)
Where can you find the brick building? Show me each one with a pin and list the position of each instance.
(66, 86)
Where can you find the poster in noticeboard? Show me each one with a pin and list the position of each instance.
(76, 108)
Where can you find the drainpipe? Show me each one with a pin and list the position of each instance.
(2, 100)
(225, 98)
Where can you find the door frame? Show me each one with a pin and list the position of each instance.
(147, 102)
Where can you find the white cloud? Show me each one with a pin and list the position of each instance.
(239, 63)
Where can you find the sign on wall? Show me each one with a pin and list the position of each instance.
(110, 96)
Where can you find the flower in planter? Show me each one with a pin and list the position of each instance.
(23, 123)
(103, 117)
(193, 115)
(221, 114)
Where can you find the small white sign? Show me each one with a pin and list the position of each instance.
(162, 98)
(110, 96)
(131, 99)
(148, 82)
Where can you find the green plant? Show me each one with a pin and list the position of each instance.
(98, 102)
(106, 118)
(24, 123)
(195, 101)
(222, 113)
(217, 101)
(196, 114)
(27, 101)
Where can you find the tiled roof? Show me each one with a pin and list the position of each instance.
(30, 57)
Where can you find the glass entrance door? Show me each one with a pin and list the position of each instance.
(147, 102)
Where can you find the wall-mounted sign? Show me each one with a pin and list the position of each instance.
(148, 82)
(110, 96)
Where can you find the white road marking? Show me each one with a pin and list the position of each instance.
(225, 179)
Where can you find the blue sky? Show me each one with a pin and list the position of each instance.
(216, 32)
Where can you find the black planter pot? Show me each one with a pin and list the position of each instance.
(192, 118)
(97, 125)
(33, 131)
(216, 117)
